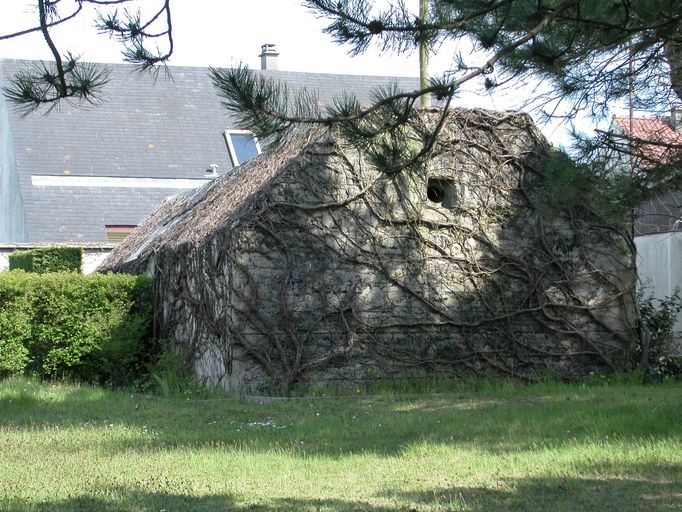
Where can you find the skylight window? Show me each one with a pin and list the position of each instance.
(242, 146)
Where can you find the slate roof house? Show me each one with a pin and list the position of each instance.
(308, 263)
(88, 175)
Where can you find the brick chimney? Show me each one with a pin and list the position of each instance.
(268, 56)
(676, 117)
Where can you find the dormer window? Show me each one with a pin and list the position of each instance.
(242, 145)
(441, 192)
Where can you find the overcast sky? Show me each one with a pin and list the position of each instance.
(211, 32)
(226, 32)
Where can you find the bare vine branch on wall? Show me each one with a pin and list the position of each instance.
(308, 263)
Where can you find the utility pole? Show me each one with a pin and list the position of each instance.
(424, 54)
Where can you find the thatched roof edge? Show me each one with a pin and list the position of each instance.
(193, 216)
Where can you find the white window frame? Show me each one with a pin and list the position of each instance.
(230, 145)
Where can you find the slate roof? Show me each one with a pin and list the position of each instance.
(144, 129)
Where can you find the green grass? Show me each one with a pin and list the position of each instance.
(547, 448)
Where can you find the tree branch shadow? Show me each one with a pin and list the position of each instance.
(553, 494)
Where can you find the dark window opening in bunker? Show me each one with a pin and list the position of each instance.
(441, 192)
(435, 193)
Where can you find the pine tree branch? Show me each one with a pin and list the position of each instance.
(63, 19)
(38, 85)
(262, 105)
(624, 26)
(29, 89)
(234, 85)
(55, 53)
(133, 33)
(67, 79)
(354, 15)
(39, 28)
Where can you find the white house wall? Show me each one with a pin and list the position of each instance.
(659, 265)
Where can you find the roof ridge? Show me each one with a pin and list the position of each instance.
(171, 67)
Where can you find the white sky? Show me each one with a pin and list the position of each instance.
(211, 32)
(226, 32)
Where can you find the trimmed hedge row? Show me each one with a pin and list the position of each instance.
(94, 328)
(49, 259)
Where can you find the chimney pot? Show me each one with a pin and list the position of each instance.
(268, 56)
(212, 170)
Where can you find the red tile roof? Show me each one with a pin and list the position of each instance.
(656, 130)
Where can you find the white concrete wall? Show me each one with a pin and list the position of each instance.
(659, 265)
(92, 256)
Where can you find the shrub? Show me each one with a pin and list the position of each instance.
(51, 259)
(13, 357)
(657, 356)
(94, 328)
(15, 325)
(170, 374)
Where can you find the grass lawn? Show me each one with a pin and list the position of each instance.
(542, 448)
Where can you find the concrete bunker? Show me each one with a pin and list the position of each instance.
(308, 264)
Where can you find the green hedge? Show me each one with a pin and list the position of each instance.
(94, 328)
(50, 259)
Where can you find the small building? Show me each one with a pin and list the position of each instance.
(308, 263)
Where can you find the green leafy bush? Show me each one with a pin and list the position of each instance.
(13, 357)
(94, 328)
(15, 325)
(51, 259)
(656, 355)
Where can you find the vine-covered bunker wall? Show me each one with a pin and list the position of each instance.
(307, 263)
